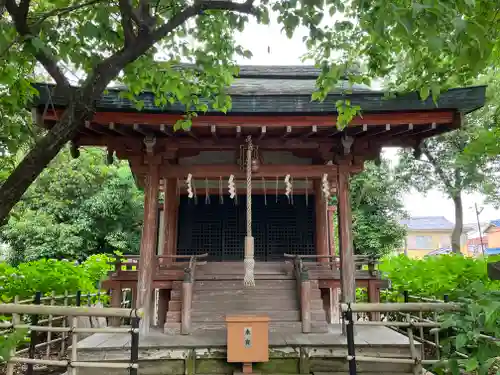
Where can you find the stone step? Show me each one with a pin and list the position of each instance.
(220, 316)
(288, 327)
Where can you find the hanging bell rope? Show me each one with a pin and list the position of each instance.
(249, 262)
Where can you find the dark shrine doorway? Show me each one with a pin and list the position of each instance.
(279, 226)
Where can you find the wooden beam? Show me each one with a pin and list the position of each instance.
(139, 129)
(288, 131)
(216, 171)
(321, 221)
(93, 129)
(169, 215)
(207, 143)
(164, 130)
(314, 130)
(393, 118)
(263, 131)
(112, 126)
(238, 131)
(213, 130)
(148, 247)
(408, 129)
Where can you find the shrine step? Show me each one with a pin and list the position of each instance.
(241, 304)
(226, 276)
(237, 284)
(264, 306)
(288, 327)
(219, 316)
(209, 295)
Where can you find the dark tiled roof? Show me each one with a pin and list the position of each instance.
(428, 223)
(288, 89)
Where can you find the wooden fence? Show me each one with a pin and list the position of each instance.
(416, 320)
(54, 322)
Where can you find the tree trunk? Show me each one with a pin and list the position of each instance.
(39, 157)
(459, 223)
(80, 108)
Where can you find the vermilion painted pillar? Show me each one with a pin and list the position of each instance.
(321, 222)
(148, 247)
(346, 246)
(170, 217)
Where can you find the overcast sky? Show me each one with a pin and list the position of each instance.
(270, 47)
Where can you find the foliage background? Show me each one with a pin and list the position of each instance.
(377, 207)
(77, 207)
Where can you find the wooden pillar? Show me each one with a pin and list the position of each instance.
(346, 246)
(116, 299)
(147, 265)
(374, 297)
(321, 221)
(170, 218)
(331, 229)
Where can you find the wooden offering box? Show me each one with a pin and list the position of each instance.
(247, 338)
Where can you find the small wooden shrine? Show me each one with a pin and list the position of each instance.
(250, 186)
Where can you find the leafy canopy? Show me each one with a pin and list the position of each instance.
(426, 45)
(77, 207)
(377, 207)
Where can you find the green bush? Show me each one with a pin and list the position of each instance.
(436, 276)
(464, 280)
(50, 275)
(47, 276)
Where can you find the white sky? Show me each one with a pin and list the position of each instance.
(284, 51)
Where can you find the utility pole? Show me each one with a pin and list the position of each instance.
(479, 226)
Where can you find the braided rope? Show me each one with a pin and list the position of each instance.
(249, 262)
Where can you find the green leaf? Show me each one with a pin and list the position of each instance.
(471, 364)
(484, 368)
(424, 92)
(453, 365)
(37, 43)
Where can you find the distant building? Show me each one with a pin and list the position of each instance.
(429, 235)
(492, 233)
(476, 242)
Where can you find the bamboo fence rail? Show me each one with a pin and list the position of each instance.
(408, 321)
(72, 363)
(60, 324)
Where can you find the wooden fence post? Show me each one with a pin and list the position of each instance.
(305, 302)
(15, 320)
(187, 295)
(34, 334)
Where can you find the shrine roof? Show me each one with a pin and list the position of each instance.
(287, 90)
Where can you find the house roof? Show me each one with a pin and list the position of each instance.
(288, 89)
(434, 223)
(492, 223)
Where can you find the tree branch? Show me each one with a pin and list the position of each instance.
(126, 21)
(198, 7)
(23, 8)
(19, 15)
(62, 11)
(439, 171)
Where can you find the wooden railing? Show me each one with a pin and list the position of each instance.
(303, 290)
(187, 287)
(52, 325)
